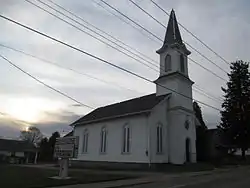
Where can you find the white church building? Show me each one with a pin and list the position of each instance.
(150, 130)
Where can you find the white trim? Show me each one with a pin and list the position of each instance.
(112, 117)
(181, 108)
(126, 139)
(85, 141)
(149, 142)
(103, 140)
(159, 138)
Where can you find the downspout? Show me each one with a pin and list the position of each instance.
(149, 140)
(168, 128)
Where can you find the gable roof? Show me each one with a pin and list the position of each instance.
(16, 145)
(137, 105)
(69, 134)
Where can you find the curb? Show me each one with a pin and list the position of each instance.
(131, 184)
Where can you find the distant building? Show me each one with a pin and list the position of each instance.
(215, 149)
(217, 146)
(17, 151)
(150, 130)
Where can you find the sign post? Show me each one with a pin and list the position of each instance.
(64, 167)
(65, 148)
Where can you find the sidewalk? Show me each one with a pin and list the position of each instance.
(118, 183)
(142, 177)
(144, 180)
(97, 171)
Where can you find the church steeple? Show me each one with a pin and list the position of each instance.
(173, 35)
(173, 60)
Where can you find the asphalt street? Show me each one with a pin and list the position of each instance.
(233, 178)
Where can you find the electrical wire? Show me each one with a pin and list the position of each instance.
(102, 60)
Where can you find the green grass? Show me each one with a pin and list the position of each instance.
(27, 177)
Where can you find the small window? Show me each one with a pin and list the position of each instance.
(85, 141)
(103, 140)
(182, 66)
(168, 66)
(126, 139)
(159, 137)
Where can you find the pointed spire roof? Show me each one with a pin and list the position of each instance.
(173, 35)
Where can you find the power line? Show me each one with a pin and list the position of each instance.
(99, 4)
(134, 22)
(67, 68)
(212, 95)
(100, 59)
(78, 28)
(143, 10)
(202, 92)
(102, 31)
(95, 32)
(207, 95)
(193, 34)
(195, 62)
(41, 82)
(75, 21)
(125, 21)
(158, 37)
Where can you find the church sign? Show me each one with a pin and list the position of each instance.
(66, 147)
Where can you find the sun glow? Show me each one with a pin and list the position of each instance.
(27, 128)
(31, 110)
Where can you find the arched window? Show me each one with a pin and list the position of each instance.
(103, 140)
(126, 139)
(85, 141)
(168, 66)
(182, 64)
(159, 138)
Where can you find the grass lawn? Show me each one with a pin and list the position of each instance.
(26, 177)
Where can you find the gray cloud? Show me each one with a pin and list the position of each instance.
(223, 26)
(58, 121)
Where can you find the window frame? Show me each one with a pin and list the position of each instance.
(85, 140)
(159, 138)
(168, 63)
(182, 63)
(126, 139)
(103, 140)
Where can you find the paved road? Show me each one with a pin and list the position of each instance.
(234, 178)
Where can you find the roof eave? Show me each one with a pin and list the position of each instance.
(172, 75)
(110, 118)
(179, 46)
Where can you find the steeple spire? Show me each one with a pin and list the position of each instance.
(173, 35)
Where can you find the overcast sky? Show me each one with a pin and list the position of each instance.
(222, 25)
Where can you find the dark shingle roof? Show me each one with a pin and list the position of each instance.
(69, 134)
(173, 35)
(16, 145)
(137, 105)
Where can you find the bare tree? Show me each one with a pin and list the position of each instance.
(32, 135)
